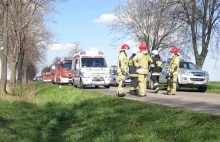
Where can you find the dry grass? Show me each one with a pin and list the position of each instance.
(26, 93)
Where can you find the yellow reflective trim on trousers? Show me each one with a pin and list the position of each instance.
(155, 73)
(133, 75)
(132, 88)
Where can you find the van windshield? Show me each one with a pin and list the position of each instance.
(67, 66)
(47, 75)
(93, 62)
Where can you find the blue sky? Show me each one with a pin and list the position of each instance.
(86, 21)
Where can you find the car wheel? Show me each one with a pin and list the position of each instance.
(107, 86)
(151, 84)
(115, 83)
(74, 85)
(96, 86)
(177, 86)
(81, 86)
(202, 89)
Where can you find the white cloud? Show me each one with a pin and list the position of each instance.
(57, 47)
(105, 18)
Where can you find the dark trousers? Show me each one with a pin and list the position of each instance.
(134, 83)
(155, 79)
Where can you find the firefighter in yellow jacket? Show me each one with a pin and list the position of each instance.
(122, 69)
(173, 71)
(142, 61)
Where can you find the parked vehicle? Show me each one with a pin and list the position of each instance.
(90, 69)
(61, 72)
(189, 76)
(47, 77)
(114, 77)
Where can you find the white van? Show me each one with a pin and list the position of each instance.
(89, 68)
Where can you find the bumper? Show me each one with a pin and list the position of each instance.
(66, 80)
(91, 81)
(47, 81)
(193, 81)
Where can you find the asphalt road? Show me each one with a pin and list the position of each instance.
(201, 102)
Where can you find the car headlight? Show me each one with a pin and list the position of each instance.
(207, 74)
(186, 73)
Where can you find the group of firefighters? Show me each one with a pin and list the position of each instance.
(139, 64)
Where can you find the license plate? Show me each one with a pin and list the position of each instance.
(198, 82)
(98, 82)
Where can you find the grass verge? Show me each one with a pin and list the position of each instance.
(67, 114)
(214, 87)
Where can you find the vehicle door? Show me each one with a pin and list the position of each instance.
(162, 78)
(76, 71)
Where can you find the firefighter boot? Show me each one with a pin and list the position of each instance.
(120, 94)
(156, 90)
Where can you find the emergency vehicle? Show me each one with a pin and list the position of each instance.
(61, 72)
(47, 77)
(90, 69)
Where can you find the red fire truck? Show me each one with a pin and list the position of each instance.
(62, 72)
(47, 77)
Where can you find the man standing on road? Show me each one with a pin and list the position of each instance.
(141, 61)
(132, 73)
(122, 69)
(173, 71)
(155, 69)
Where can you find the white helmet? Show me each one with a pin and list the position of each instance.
(135, 50)
(155, 52)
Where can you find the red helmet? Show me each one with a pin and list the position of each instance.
(174, 50)
(143, 47)
(125, 47)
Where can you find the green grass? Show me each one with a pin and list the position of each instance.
(67, 114)
(214, 87)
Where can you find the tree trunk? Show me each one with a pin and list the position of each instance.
(13, 74)
(3, 82)
(20, 67)
(200, 60)
(25, 79)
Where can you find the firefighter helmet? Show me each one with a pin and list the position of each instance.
(143, 48)
(174, 50)
(125, 47)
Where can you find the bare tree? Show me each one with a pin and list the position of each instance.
(5, 6)
(147, 21)
(202, 18)
(26, 19)
(76, 47)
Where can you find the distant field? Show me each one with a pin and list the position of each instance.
(70, 114)
(214, 87)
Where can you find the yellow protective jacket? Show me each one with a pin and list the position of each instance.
(122, 63)
(142, 61)
(174, 65)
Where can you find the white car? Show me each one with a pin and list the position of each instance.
(189, 76)
(114, 77)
